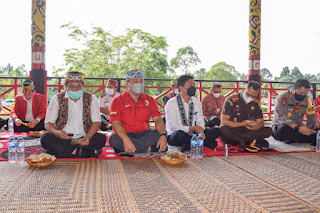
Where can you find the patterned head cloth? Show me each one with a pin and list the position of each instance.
(113, 82)
(74, 77)
(174, 83)
(134, 74)
(27, 86)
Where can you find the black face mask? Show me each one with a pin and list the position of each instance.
(299, 97)
(191, 91)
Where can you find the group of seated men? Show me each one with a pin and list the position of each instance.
(74, 117)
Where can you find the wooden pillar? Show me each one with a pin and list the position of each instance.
(254, 40)
(38, 72)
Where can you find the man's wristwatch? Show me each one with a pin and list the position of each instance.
(165, 134)
(297, 128)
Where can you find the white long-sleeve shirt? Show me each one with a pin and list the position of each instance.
(173, 118)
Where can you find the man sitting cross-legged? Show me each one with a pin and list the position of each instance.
(29, 109)
(129, 115)
(184, 117)
(242, 118)
(72, 121)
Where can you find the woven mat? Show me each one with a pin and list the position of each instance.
(255, 183)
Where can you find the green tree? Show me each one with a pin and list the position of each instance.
(106, 55)
(296, 74)
(285, 72)
(9, 70)
(222, 71)
(266, 74)
(199, 74)
(185, 60)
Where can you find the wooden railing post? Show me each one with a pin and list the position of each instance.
(15, 87)
(269, 100)
(200, 91)
(59, 85)
(236, 87)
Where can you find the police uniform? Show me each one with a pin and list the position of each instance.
(289, 110)
(105, 102)
(239, 111)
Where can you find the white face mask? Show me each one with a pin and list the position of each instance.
(216, 95)
(137, 88)
(110, 91)
(28, 101)
(246, 99)
(176, 91)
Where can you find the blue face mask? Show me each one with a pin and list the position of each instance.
(75, 95)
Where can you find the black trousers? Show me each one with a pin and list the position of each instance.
(213, 121)
(284, 132)
(142, 140)
(63, 148)
(104, 123)
(179, 137)
(242, 135)
(23, 128)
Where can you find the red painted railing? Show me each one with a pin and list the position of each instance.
(100, 85)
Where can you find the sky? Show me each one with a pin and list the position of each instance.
(217, 30)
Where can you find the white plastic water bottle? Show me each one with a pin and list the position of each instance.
(318, 142)
(194, 142)
(200, 147)
(20, 149)
(10, 127)
(12, 150)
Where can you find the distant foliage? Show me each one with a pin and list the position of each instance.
(9, 70)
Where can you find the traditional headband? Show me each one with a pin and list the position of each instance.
(134, 74)
(28, 86)
(75, 77)
(113, 82)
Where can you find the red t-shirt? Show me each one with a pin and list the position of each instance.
(134, 117)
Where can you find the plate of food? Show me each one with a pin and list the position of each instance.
(173, 158)
(40, 160)
(37, 134)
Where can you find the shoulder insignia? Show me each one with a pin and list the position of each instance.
(102, 95)
(230, 102)
(235, 98)
(310, 108)
(284, 101)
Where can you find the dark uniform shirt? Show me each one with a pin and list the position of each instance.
(235, 107)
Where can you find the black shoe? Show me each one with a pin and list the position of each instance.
(262, 144)
(185, 147)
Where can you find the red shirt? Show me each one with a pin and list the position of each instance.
(39, 107)
(134, 116)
